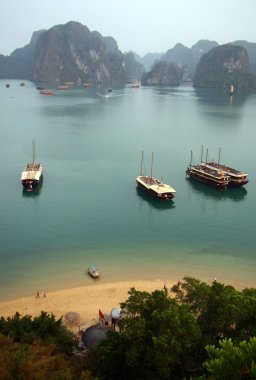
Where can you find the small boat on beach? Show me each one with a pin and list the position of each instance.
(153, 186)
(93, 272)
(32, 174)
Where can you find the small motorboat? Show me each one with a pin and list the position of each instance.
(93, 272)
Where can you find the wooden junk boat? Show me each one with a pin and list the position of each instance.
(32, 174)
(93, 272)
(153, 186)
(237, 177)
(216, 174)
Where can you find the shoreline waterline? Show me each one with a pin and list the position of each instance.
(54, 270)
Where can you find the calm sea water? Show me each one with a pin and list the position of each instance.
(88, 209)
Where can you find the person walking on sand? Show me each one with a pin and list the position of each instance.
(44, 294)
(37, 294)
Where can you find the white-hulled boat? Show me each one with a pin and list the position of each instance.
(93, 272)
(153, 186)
(32, 174)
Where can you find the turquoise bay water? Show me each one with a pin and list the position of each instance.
(88, 209)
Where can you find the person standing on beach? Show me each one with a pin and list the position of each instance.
(37, 294)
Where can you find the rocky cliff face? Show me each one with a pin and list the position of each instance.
(163, 73)
(251, 50)
(188, 57)
(133, 69)
(67, 52)
(71, 52)
(225, 65)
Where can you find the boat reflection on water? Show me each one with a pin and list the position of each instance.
(234, 194)
(34, 193)
(159, 204)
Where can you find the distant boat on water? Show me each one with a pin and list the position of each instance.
(7, 85)
(88, 84)
(46, 92)
(152, 185)
(136, 84)
(231, 90)
(63, 87)
(69, 84)
(32, 174)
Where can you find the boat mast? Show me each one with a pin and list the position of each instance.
(219, 157)
(191, 156)
(141, 162)
(34, 151)
(202, 151)
(206, 156)
(152, 165)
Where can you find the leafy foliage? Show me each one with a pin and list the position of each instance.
(158, 339)
(231, 361)
(221, 311)
(44, 328)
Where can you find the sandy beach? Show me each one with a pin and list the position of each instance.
(86, 301)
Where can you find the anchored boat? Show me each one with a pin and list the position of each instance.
(152, 185)
(136, 83)
(93, 272)
(208, 175)
(237, 177)
(32, 174)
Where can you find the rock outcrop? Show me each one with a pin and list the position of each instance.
(188, 57)
(163, 73)
(133, 69)
(223, 66)
(71, 52)
(68, 53)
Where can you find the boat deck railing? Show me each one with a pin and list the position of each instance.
(226, 168)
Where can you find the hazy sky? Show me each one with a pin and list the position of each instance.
(139, 25)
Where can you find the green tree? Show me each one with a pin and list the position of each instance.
(44, 328)
(221, 311)
(158, 339)
(231, 361)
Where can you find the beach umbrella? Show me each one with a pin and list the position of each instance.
(72, 318)
(116, 313)
(93, 335)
